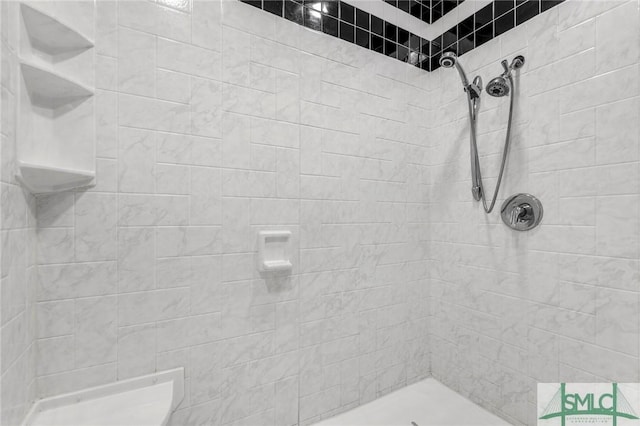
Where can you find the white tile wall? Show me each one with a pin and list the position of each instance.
(215, 123)
(219, 120)
(559, 303)
(18, 328)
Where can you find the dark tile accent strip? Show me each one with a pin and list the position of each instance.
(428, 11)
(487, 23)
(343, 20)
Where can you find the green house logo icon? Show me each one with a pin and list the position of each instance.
(611, 404)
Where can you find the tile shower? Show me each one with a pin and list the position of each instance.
(215, 120)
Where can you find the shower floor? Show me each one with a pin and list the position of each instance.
(426, 403)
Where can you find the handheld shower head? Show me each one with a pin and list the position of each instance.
(475, 88)
(498, 87)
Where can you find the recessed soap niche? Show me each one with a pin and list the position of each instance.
(274, 251)
(56, 130)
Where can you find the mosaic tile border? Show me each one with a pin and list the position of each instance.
(484, 25)
(428, 11)
(344, 21)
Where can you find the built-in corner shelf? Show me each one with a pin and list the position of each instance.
(56, 130)
(40, 179)
(50, 35)
(49, 89)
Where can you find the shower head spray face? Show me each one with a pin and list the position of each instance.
(498, 87)
(448, 60)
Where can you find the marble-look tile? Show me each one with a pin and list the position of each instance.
(136, 160)
(55, 318)
(74, 380)
(153, 305)
(106, 119)
(206, 379)
(206, 30)
(205, 284)
(205, 207)
(235, 46)
(618, 179)
(189, 59)
(207, 151)
(218, 120)
(277, 133)
(610, 365)
(136, 259)
(95, 225)
(183, 332)
(288, 171)
(247, 101)
(106, 175)
(172, 179)
(174, 272)
(236, 232)
(174, 359)
(206, 104)
(573, 98)
(262, 77)
(245, 183)
(617, 132)
(187, 240)
(174, 148)
(107, 72)
(69, 281)
(236, 138)
(136, 350)
(55, 210)
(174, 20)
(616, 320)
(55, 355)
(173, 86)
(55, 245)
(618, 226)
(613, 50)
(107, 28)
(136, 62)
(96, 331)
(13, 340)
(153, 114)
(266, 211)
(201, 414)
(14, 392)
(136, 210)
(238, 267)
(129, 13)
(287, 95)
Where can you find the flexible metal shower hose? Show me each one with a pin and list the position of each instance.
(473, 136)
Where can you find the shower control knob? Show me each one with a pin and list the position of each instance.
(522, 212)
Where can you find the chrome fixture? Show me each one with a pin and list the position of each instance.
(522, 212)
(497, 87)
(450, 60)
